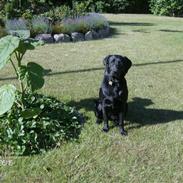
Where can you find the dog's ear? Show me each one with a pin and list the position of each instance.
(106, 60)
(127, 63)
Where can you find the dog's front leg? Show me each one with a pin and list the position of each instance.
(105, 118)
(121, 124)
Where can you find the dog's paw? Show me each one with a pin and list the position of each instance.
(124, 132)
(105, 129)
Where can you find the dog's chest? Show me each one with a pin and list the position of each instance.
(115, 94)
(114, 90)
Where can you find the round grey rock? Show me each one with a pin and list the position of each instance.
(105, 32)
(95, 34)
(61, 38)
(76, 36)
(90, 35)
(47, 38)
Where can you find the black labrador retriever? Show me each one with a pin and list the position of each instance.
(113, 93)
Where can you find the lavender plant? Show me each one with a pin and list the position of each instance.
(18, 27)
(92, 21)
(16, 24)
(41, 25)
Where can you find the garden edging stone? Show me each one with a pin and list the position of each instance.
(47, 38)
(76, 36)
(62, 38)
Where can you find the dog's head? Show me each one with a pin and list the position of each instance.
(116, 66)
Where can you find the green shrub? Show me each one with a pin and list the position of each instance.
(27, 8)
(59, 13)
(167, 7)
(10, 10)
(138, 6)
(2, 4)
(117, 6)
(24, 135)
(27, 14)
(93, 5)
(19, 8)
(62, 12)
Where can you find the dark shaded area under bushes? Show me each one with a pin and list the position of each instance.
(117, 6)
(28, 8)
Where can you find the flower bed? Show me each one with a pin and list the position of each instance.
(81, 28)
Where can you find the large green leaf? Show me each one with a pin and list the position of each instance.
(36, 73)
(8, 45)
(29, 44)
(7, 98)
(30, 113)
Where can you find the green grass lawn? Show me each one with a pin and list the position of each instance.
(153, 149)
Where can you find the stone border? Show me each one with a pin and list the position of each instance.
(74, 36)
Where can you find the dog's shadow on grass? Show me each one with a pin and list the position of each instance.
(140, 112)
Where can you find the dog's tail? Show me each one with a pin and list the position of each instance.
(98, 109)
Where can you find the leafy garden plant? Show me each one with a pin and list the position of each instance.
(30, 76)
(29, 122)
